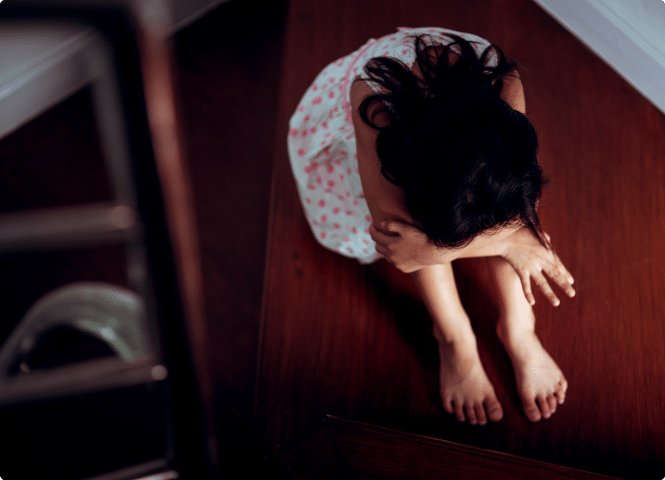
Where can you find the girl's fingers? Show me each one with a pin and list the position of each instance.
(566, 275)
(376, 234)
(401, 228)
(561, 280)
(373, 232)
(565, 285)
(546, 289)
(565, 272)
(562, 268)
(382, 250)
(526, 286)
(381, 238)
(391, 226)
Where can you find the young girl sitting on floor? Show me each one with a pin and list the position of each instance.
(416, 148)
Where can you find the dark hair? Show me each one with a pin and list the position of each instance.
(465, 159)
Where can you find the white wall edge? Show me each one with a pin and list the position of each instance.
(624, 45)
(41, 82)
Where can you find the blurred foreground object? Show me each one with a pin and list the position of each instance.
(135, 367)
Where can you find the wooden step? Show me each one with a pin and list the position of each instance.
(338, 448)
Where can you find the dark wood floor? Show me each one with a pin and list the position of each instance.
(228, 80)
(353, 341)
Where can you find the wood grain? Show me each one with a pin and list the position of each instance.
(354, 341)
(338, 448)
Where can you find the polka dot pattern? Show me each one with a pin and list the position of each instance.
(322, 145)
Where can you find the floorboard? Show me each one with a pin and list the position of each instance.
(227, 93)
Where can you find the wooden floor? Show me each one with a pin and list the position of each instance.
(228, 80)
(343, 339)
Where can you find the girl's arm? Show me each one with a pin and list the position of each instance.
(409, 249)
(385, 200)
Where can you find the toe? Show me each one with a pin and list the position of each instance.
(494, 410)
(532, 411)
(560, 391)
(448, 406)
(471, 414)
(459, 411)
(551, 401)
(544, 406)
(480, 414)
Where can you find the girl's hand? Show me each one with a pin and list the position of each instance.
(530, 258)
(409, 249)
(406, 246)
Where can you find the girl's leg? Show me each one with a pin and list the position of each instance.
(464, 387)
(540, 383)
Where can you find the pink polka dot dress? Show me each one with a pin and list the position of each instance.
(322, 144)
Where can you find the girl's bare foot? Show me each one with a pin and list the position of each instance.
(540, 383)
(465, 389)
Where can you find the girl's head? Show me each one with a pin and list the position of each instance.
(465, 159)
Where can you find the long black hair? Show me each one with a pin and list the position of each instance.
(465, 159)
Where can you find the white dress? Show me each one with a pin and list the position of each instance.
(322, 144)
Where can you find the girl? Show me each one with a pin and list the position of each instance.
(416, 148)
